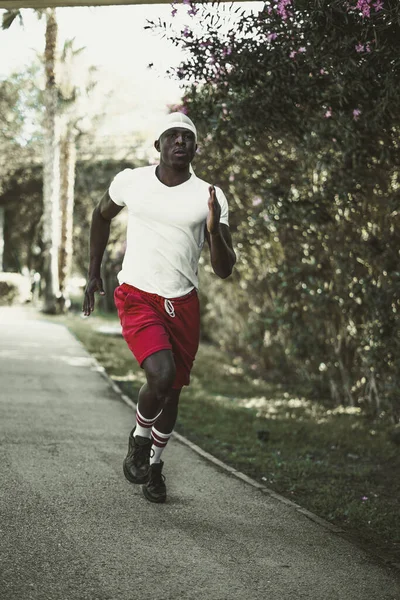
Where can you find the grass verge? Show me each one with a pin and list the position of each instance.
(335, 463)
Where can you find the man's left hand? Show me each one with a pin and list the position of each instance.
(214, 212)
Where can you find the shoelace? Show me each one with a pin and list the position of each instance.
(169, 308)
(142, 454)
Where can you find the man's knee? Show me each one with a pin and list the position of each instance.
(160, 372)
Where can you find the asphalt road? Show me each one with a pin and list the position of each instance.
(72, 528)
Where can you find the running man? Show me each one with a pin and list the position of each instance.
(171, 212)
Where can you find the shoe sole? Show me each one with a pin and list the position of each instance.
(155, 499)
(132, 479)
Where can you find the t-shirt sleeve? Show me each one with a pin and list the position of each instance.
(118, 187)
(224, 219)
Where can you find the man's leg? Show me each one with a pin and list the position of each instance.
(159, 395)
(155, 489)
(155, 398)
(160, 373)
(164, 425)
(146, 408)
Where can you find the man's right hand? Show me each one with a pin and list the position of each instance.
(95, 284)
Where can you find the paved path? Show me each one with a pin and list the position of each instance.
(72, 528)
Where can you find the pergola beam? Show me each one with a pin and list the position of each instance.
(50, 3)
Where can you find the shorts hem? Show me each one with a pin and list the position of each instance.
(179, 386)
(152, 351)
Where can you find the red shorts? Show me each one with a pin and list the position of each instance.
(151, 323)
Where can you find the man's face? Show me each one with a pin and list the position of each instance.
(177, 147)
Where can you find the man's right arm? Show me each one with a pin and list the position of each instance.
(104, 212)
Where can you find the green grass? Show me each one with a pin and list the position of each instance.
(336, 463)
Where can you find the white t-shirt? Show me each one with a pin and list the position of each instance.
(165, 231)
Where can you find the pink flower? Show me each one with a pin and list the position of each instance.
(231, 177)
(302, 49)
(356, 113)
(257, 201)
(292, 54)
(283, 8)
(322, 72)
(364, 498)
(365, 7)
(360, 48)
(193, 8)
(271, 37)
(328, 113)
(186, 32)
(227, 51)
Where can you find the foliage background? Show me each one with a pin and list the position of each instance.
(298, 107)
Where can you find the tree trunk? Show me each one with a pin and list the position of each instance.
(67, 172)
(2, 213)
(51, 171)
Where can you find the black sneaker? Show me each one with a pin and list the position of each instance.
(137, 462)
(155, 490)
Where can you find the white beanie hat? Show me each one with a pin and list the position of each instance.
(173, 121)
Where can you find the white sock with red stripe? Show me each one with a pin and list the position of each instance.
(159, 442)
(143, 426)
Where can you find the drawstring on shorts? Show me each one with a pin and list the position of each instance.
(169, 308)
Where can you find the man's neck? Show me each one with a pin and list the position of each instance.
(172, 177)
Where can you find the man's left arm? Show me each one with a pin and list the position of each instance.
(219, 239)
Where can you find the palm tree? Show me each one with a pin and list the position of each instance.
(51, 160)
(75, 84)
(67, 198)
(51, 169)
